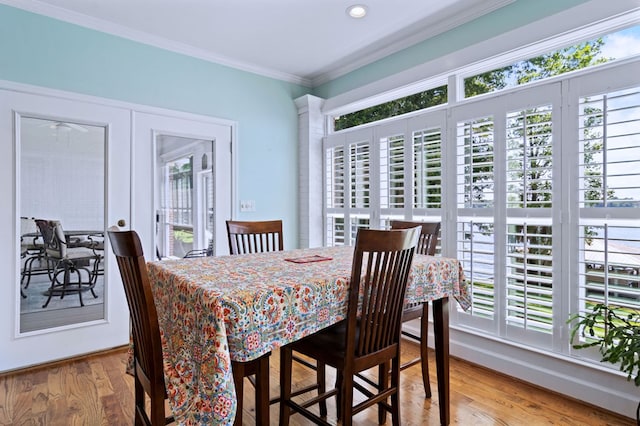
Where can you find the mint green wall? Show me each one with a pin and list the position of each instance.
(514, 15)
(45, 52)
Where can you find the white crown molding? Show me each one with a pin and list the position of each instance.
(407, 37)
(92, 23)
(582, 21)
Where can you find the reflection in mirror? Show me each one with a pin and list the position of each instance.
(185, 190)
(62, 181)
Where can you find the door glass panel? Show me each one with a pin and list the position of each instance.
(62, 183)
(185, 217)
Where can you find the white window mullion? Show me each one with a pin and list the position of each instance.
(500, 217)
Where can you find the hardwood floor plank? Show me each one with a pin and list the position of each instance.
(94, 390)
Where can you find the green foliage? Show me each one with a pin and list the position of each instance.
(561, 61)
(487, 82)
(422, 100)
(616, 333)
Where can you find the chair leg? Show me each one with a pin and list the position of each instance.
(54, 282)
(395, 383)
(262, 390)
(346, 400)
(321, 379)
(77, 271)
(339, 384)
(157, 408)
(286, 361)
(383, 382)
(141, 418)
(424, 351)
(238, 380)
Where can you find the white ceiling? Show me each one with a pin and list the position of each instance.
(302, 41)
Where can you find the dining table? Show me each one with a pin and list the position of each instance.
(212, 310)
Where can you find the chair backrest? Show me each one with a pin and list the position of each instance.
(53, 237)
(254, 237)
(380, 272)
(147, 346)
(30, 236)
(428, 235)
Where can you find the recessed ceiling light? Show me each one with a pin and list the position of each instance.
(357, 11)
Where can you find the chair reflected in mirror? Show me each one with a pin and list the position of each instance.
(66, 261)
(201, 252)
(31, 253)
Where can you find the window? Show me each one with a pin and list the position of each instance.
(348, 190)
(415, 102)
(586, 54)
(542, 206)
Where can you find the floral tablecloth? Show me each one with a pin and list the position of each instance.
(215, 309)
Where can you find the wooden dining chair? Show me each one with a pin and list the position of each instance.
(244, 238)
(369, 337)
(254, 237)
(426, 245)
(147, 349)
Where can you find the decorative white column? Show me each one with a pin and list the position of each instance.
(310, 134)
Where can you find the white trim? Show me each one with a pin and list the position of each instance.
(598, 384)
(588, 19)
(79, 97)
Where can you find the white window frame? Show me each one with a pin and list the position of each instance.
(545, 367)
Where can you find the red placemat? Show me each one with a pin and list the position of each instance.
(308, 259)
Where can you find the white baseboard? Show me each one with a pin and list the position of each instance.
(601, 387)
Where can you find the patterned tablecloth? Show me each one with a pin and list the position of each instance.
(214, 309)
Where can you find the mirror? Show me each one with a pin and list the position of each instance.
(62, 185)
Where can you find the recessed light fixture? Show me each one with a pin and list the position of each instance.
(357, 11)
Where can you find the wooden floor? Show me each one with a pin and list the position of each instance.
(94, 390)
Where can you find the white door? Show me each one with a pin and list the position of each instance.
(200, 147)
(48, 168)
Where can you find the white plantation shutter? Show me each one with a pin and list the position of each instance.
(359, 177)
(360, 186)
(529, 174)
(392, 170)
(609, 157)
(335, 177)
(475, 188)
(335, 193)
(475, 182)
(609, 262)
(427, 168)
(476, 250)
(505, 209)
(348, 190)
(529, 192)
(529, 277)
(609, 200)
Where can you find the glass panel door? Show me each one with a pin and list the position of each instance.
(185, 218)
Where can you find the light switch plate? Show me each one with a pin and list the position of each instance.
(247, 205)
